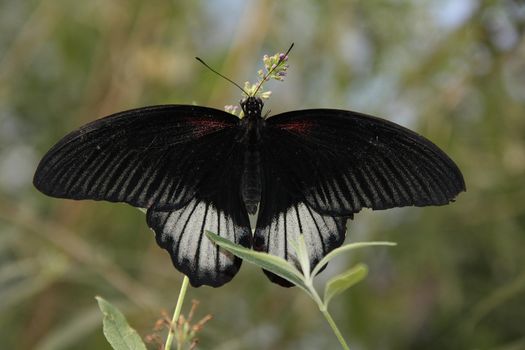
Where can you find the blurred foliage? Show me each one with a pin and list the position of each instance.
(452, 70)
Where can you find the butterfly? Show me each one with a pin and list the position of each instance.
(196, 168)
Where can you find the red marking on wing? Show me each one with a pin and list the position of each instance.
(204, 126)
(301, 127)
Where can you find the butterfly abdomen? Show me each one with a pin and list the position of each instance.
(251, 180)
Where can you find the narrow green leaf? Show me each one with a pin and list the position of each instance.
(344, 249)
(302, 255)
(338, 284)
(266, 261)
(117, 330)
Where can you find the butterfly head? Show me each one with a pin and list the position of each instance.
(252, 106)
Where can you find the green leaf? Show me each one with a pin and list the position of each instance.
(338, 284)
(268, 262)
(344, 249)
(117, 330)
(302, 255)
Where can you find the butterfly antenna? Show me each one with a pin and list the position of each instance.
(220, 75)
(271, 71)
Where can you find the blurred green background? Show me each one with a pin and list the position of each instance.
(454, 70)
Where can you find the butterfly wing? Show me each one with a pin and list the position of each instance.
(217, 207)
(322, 166)
(147, 157)
(284, 213)
(180, 162)
(345, 161)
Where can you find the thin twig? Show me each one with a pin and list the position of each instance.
(176, 313)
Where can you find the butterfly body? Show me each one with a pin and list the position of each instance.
(251, 129)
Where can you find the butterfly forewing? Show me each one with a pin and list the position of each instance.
(344, 161)
(147, 157)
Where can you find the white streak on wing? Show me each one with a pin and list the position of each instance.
(123, 174)
(276, 236)
(359, 189)
(145, 187)
(127, 174)
(87, 176)
(353, 193)
(318, 231)
(139, 186)
(207, 252)
(228, 230)
(339, 195)
(186, 228)
(109, 172)
(161, 193)
(332, 196)
(189, 239)
(314, 232)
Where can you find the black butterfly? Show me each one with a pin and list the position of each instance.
(197, 168)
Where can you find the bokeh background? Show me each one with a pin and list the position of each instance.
(454, 70)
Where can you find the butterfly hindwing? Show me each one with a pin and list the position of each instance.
(217, 207)
(344, 161)
(284, 214)
(182, 233)
(148, 157)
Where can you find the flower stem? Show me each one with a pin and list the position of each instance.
(176, 313)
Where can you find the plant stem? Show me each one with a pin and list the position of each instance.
(176, 313)
(326, 314)
(337, 333)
